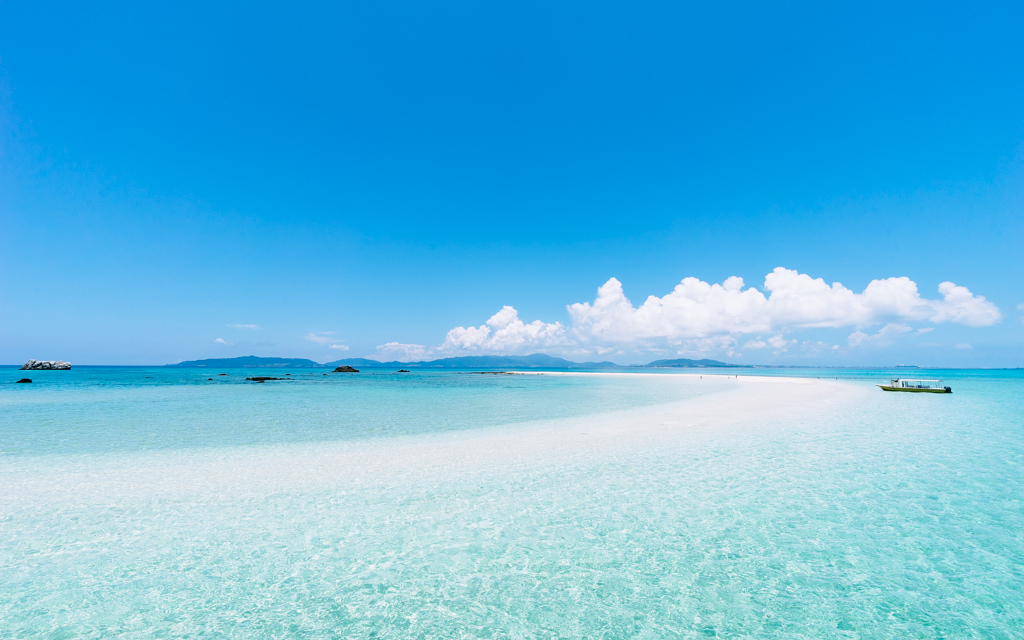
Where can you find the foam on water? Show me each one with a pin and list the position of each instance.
(742, 508)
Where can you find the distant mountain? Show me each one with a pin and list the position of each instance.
(533, 361)
(687, 363)
(248, 362)
(363, 362)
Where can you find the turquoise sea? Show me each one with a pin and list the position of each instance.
(168, 503)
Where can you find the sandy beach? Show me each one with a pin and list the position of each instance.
(728, 403)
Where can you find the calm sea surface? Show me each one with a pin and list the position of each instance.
(898, 516)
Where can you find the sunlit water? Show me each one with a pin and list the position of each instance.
(898, 515)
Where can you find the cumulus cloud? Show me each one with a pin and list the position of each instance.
(223, 342)
(244, 326)
(504, 332)
(700, 317)
(795, 301)
(695, 309)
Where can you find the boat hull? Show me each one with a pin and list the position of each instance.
(913, 390)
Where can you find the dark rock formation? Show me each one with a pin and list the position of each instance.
(263, 378)
(345, 369)
(46, 364)
(23, 380)
(403, 371)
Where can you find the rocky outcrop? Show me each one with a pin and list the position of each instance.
(46, 364)
(24, 380)
(345, 369)
(262, 378)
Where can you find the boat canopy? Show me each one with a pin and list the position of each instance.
(904, 383)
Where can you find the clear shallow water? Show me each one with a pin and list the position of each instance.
(899, 516)
(106, 409)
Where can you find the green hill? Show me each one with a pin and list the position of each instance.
(248, 362)
(533, 361)
(687, 363)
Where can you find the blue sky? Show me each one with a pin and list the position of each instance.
(324, 181)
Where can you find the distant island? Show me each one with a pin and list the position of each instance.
(249, 362)
(687, 363)
(533, 361)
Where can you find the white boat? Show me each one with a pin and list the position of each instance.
(915, 386)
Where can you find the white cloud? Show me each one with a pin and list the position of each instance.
(223, 342)
(244, 326)
(404, 352)
(324, 337)
(694, 309)
(795, 301)
(780, 343)
(697, 317)
(504, 332)
(816, 347)
(961, 306)
(883, 338)
(776, 342)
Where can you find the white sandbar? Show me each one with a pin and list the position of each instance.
(743, 402)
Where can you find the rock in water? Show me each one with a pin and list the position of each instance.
(46, 364)
(345, 369)
(24, 380)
